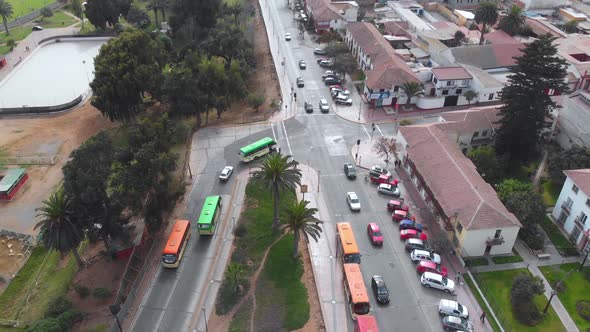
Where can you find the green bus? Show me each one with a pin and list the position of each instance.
(209, 215)
(257, 149)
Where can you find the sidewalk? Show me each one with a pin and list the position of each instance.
(326, 274)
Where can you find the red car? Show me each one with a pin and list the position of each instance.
(337, 86)
(383, 178)
(399, 215)
(428, 266)
(405, 234)
(375, 234)
(397, 204)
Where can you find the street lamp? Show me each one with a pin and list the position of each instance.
(553, 293)
(205, 316)
(584, 261)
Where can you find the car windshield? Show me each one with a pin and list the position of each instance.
(225, 171)
(352, 258)
(382, 290)
(459, 307)
(377, 233)
(354, 200)
(445, 281)
(361, 308)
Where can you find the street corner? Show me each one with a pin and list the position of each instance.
(364, 154)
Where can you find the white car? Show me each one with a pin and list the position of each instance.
(324, 106)
(226, 173)
(287, 36)
(353, 201)
(379, 170)
(327, 73)
(452, 308)
(388, 189)
(344, 100)
(433, 280)
(424, 255)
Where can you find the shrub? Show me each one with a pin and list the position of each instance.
(405, 122)
(71, 317)
(46, 12)
(533, 238)
(101, 293)
(240, 230)
(524, 288)
(58, 307)
(82, 291)
(48, 325)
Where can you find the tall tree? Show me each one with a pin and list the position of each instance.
(486, 15)
(487, 163)
(235, 275)
(227, 40)
(191, 20)
(527, 105)
(570, 26)
(576, 157)
(58, 229)
(513, 22)
(524, 289)
(138, 17)
(6, 12)
(158, 6)
(78, 10)
(125, 68)
(298, 218)
(412, 89)
(103, 12)
(278, 173)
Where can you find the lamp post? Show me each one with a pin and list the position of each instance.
(205, 316)
(584, 261)
(553, 293)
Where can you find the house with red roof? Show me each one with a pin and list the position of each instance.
(462, 202)
(330, 16)
(573, 207)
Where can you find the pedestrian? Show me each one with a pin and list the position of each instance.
(483, 317)
(458, 276)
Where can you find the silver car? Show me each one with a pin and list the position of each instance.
(324, 106)
(433, 280)
(452, 308)
(353, 201)
(226, 173)
(388, 189)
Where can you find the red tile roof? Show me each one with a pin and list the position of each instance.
(396, 28)
(581, 177)
(451, 73)
(469, 121)
(500, 37)
(323, 11)
(453, 179)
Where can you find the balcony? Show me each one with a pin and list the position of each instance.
(566, 208)
(579, 223)
(495, 241)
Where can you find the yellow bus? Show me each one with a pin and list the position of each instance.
(176, 244)
(355, 290)
(347, 247)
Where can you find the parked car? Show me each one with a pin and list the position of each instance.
(433, 280)
(319, 51)
(428, 266)
(343, 100)
(405, 234)
(324, 106)
(350, 170)
(452, 323)
(332, 80)
(399, 215)
(410, 224)
(380, 289)
(378, 170)
(308, 107)
(37, 28)
(397, 204)
(384, 178)
(328, 73)
(412, 244)
(300, 83)
(335, 86)
(452, 308)
(353, 201)
(418, 255)
(374, 233)
(326, 63)
(287, 36)
(335, 92)
(226, 173)
(388, 189)
(297, 6)
(302, 64)
(318, 60)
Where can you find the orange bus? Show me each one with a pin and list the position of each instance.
(366, 323)
(176, 244)
(347, 247)
(355, 290)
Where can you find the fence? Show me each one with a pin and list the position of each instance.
(501, 319)
(38, 160)
(32, 15)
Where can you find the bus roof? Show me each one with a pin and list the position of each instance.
(256, 145)
(354, 277)
(175, 239)
(208, 210)
(347, 240)
(366, 323)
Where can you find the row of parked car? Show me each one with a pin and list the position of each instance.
(428, 263)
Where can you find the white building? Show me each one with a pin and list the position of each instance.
(573, 122)
(573, 207)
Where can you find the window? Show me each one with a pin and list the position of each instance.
(588, 202)
(465, 82)
(476, 134)
(395, 88)
(459, 227)
(569, 202)
(434, 80)
(575, 189)
(497, 235)
(458, 91)
(449, 83)
(491, 96)
(381, 90)
(484, 133)
(445, 92)
(582, 218)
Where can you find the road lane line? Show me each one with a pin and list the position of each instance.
(274, 135)
(366, 131)
(376, 126)
(287, 138)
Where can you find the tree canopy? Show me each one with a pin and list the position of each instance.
(103, 12)
(524, 289)
(576, 157)
(191, 20)
(513, 22)
(527, 105)
(488, 164)
(486, 15)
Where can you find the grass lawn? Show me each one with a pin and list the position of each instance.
(53, 281)
(22, 7)
(476, 261)
(550, 193)
(507, 259)
(496, 288)
(577, 288)
(58, 20)
(17, 34)
(482, 304)
(241, 320)
(4, 49)
(561, 243)
(282, 299)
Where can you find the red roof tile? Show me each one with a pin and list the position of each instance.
(500, 37)
(451, 73)
(581, 177)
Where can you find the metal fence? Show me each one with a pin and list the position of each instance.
(493, 302)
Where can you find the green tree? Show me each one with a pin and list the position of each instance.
(158, 6)
(510, 186)
(412, 89)
(527, 206)
(344, 64)
(46, 12)
(78, 10)
(298, 218)
(526, 110)
(577, 157)
(235, 275)
(58, 230)
(255, 101)
(103, 12)
(11, 44)
(138, 17)
(487, 163)
(513, 22)
(570, 26)
(278, 173)
(486, 15)
(191, 20)
(524, 289)
(458, 38)
(336, 48)
(227, 40)
(470, 95)
(125, 69)
(6, 12)
(181, 93)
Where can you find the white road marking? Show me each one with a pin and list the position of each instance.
(376, 126)
(366, 131)
(287, 138)
(274, 135)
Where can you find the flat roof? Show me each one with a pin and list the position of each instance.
(10, 178)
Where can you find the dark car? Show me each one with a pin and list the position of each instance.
(350, 170)
(308, 107)
(410, 224)
(37, 28)
(412, 244)
(332, 81)
(300, 83)
(380, 289)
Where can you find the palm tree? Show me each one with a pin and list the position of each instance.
(6, 13)
(299, 218)
(234, 275)
(412, 89)
(487, 15)
(278, 174)
(58, 229)
(513, 22)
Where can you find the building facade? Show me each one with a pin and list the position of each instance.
(573, 207)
